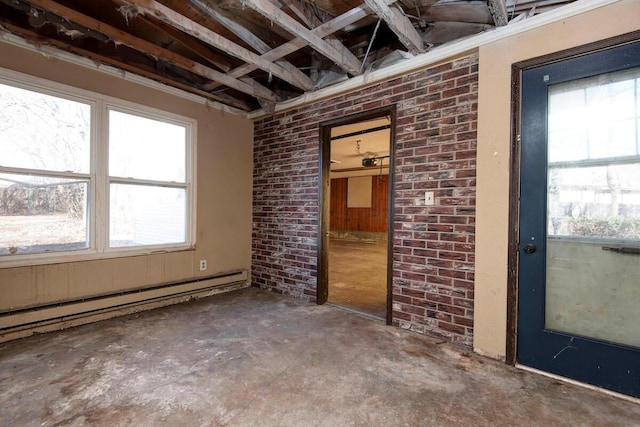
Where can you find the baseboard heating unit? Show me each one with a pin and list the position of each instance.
(27, 321)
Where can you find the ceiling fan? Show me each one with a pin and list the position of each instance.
(359, 153)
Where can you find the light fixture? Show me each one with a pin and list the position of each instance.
(368, 162)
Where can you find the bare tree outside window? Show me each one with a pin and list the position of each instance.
(89, 176)
(594, 157)
(44, 187)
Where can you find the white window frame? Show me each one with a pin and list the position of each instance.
(98, 226)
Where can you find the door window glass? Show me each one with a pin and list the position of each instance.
(593, 208)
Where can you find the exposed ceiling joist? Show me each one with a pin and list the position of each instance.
(38, 39)
(336, 24)
(203, 52)
(342, 57)
(498, 9)
(243, 33)
(310, 14)
(398, 23)
(170, 16)
(211, 10)
(251, 53)
(119, 36)
(191, 44)
(302, 9)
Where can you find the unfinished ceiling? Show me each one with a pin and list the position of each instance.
(252, 54)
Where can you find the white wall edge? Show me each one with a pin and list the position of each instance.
(488, 355)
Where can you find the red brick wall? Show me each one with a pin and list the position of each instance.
(435, 150)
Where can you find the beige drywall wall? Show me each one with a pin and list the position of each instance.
(494, 124)
(224, 197)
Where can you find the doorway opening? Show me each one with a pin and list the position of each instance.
(354, 258)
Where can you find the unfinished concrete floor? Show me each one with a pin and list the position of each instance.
(254, 358)
(358, 275)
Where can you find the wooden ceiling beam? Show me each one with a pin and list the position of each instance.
(336, 24)
(498, 9)
(149, 48)
(212, 11)
(200, 50)
(341, 57)
(194, 46)
(305, 13)
(301, 9)
(39, 40)
(399, 24)
(153, 8)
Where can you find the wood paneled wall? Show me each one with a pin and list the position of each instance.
(372, 219)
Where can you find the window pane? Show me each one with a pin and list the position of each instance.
(567, 144)
(42, 214)
(146, 215)
(146, 149)
(595, 118)
(40, 131)
(595, 202)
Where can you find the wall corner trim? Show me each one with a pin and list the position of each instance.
(500, 357)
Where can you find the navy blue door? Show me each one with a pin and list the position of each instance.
(579, 248)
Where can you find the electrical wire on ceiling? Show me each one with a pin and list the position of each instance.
(375, 31)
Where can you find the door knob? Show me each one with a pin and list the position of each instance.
(529, 248)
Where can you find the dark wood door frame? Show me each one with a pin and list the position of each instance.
(324, 181)
(514, 181)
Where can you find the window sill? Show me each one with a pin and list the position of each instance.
(32, 260)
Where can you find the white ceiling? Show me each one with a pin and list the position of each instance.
(350, 151)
